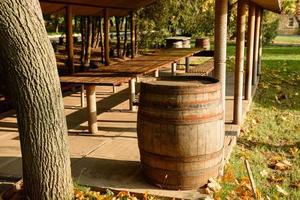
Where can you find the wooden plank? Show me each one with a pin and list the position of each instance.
(92, 78)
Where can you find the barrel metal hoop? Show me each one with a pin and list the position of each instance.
(189, 159)
(182, 121)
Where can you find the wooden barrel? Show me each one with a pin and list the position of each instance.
(202, 43)
(181, 131)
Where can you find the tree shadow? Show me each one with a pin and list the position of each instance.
(280, 90)
(252, 145)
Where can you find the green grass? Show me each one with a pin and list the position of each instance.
(287, 39)
(271, 132)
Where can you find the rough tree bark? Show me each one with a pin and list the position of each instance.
(125, 38)
(88, 46)
(28, 60)
(83, 38)
(118, 36)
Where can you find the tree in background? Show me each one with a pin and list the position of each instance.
(168, 18)
(28, 62)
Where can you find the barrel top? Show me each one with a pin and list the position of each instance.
(187, 80)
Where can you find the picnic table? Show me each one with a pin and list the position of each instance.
(120, 73)
(90, 80)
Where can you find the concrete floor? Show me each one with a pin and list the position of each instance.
(109, 159)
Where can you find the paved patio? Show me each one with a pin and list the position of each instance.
(109, 159)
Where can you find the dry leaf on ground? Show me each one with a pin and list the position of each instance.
(214, 185)
(295, 184)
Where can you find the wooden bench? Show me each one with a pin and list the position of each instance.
(202, 69)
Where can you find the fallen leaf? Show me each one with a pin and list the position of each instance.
(281, 190)
(295, 184)
(229, 175)
(275, 179)
(293, 151)
(214, 185)
(264, 173)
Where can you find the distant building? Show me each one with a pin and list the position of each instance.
(288, 24)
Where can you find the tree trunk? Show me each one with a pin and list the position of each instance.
(28, 60)
(88, 46)
(101, 41)
(83, 38)
(94, 32)
(125, 37)
(118, 36)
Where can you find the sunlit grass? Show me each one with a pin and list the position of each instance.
(272, 128)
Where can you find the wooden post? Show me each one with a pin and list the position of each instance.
(187, 64)
(82, 96)
(256, 44)
(132, 94)
(239, 63)
(250, 47)
(260, 44)
(221, 11)
(106, 37)
(156, 73)
(174, 66)
(92, 108)
(132, 34)
(69, 40)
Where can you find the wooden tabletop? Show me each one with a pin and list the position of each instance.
(119, 73)
(95, 78)
(145, 64)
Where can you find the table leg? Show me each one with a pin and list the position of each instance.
(156, 73)
(114, 89)
(82, 97)
(187, 64)
(174, 66)
(92, 108)
(132, 94)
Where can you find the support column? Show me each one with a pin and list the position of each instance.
(82, 97)
(174, 68)
(69, 40)
(187, 64)
(92, 108)
(221, 11)
(256, 44)
(132, 34)
(239, 63)
(106, 37)
(250, 47)
(260, 43)
(156, 73)
(132, 94)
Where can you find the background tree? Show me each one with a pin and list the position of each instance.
(28, 62)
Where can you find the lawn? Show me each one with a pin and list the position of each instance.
(286, 39)
(270, 136)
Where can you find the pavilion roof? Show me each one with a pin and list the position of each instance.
(120, 7)
(272, 5)
(93, 7)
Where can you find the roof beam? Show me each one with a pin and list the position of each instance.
(85, 4)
